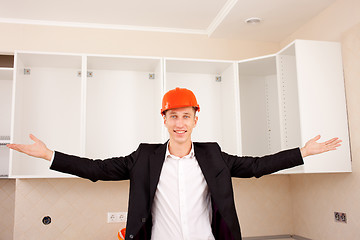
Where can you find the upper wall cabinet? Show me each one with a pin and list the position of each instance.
(101, 106)
(313, 72)
(295, 95)
(214, 84)
(123, 101)
(6, 89)
(259, 106)
(48, 105)
(87, 105)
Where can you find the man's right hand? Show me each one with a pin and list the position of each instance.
(37, 149)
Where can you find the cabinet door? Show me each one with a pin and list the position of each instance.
(123, 102)
(6, 86)
(313, 102)
(215, 87)
(48, 105)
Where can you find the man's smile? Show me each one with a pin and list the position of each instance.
(180, 131)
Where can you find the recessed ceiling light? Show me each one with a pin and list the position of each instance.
(253, 20)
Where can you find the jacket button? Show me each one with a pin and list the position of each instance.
(131, 236)
(143, 220)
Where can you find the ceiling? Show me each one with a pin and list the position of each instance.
(214, 18)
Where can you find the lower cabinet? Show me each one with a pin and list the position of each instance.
(101, 106)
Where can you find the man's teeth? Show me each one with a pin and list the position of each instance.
(180, 131)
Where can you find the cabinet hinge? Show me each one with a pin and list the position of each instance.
(218, 78)
(89, 74)
(151, 75)
(27, 71)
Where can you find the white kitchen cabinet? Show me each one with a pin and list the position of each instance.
(123, 102)
(87, 105)
(47, 104)
(259, 106)
(101, 106)
(6, 86)
(214, 85)
(295, 95)
(319, 83)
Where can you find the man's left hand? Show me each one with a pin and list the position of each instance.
(312, 147)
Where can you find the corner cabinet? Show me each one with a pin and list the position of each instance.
(295, 95)
(100, 106)
(312, 90)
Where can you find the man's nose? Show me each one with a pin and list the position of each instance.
(179, 122)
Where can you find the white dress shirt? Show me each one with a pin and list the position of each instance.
(182, 207)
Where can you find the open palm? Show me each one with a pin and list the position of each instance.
(37, 149)
(312, 147)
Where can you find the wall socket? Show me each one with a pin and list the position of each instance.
(114, 217)
(340, 217)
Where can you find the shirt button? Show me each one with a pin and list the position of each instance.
(143, 220)
(131, 236)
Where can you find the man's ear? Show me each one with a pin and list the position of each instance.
(164, 117)
(196, 120)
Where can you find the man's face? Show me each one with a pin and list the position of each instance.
(180, 123)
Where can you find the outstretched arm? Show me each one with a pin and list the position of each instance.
(312, 147)
(37, 149)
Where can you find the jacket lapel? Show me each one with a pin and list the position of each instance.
(209, 161)
(156, 163)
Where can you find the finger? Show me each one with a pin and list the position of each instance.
(316, 138)
(331, 141)
(16, 147)
(334, 143)
(334, 148)
(330, 148)
(12, 146)
(33, 138)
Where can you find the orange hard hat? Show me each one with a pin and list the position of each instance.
(177, 98)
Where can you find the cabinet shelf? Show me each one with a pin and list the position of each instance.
(6, 73)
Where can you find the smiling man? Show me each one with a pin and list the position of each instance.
(179, 190)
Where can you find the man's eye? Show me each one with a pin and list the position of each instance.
(186, 116)
(172, 116)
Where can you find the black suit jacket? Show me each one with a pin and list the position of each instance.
(143, 168)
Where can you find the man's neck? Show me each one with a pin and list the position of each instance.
(179, 150)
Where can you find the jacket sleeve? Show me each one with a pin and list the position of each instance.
(246, 167)
(117, 168)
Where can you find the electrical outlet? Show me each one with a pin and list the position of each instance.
(122, 216)
(340, 217)
(343, 217)
(114, 217)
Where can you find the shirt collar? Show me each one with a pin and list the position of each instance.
(190, 155)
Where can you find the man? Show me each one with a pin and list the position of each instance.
(180, 189)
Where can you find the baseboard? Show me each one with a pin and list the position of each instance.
(285, 236)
